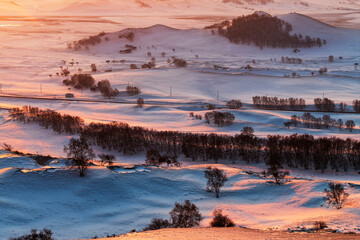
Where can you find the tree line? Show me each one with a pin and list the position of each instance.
(296, 151)
(278, 103)
(59, 123)
(86, 81)
(310, 121)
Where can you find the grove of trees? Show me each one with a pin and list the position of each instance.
(265, 31)
(278, 103)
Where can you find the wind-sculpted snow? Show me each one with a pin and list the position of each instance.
(109, 202)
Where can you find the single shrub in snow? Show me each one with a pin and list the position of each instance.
(133, 66)
(336, 195)
(216, 179)
(185, 215)
(157, 223)
(178, 62)
(318, 225)
(44, 234)
(221, 220)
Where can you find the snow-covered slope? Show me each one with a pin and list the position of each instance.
(108, 202)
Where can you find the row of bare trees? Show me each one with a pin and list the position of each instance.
(298, 151)
(278, 103)
(310, 121)
(59, 123)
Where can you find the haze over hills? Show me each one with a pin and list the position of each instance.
(348, 9)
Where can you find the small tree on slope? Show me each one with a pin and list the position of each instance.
(336, 195)
(80, 153)
(216, 179)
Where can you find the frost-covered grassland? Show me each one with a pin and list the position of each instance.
(106, 201)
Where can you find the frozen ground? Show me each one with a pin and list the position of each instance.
(114, 202)
(228, 234)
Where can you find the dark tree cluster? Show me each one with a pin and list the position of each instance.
(128, 49)
(279, 103)
(86, 42)
(183, 215)
(149, 65)
(291, 60)
(234, 104)
(48, 119)
(196, 116)
(86, 81)
(104, 87)
(44, 234)
(305, 151)
(129, 36)
(132, 90)
(324, 104)
(178, 62)
(204, 147)
(221, 220)
(356, 106)
(266, 31)
(80, 81)
(153, 157)
(220, 119)
(310, 121)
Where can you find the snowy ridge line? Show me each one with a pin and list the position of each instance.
(152, 103)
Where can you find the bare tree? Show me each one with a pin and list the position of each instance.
(336, 195)
(80, 153)
(350, 124)
(140, 102)
(216, 179)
